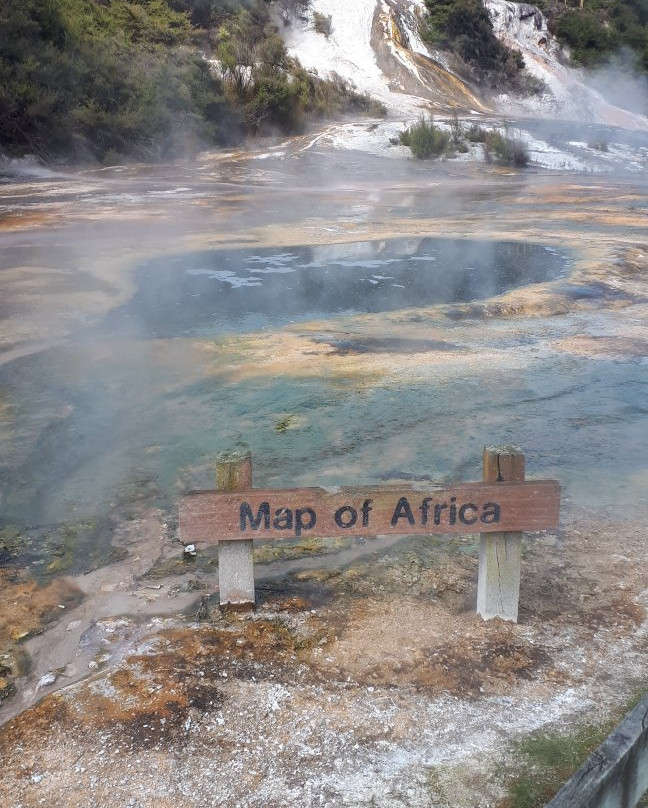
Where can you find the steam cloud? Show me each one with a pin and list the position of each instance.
(621, 83)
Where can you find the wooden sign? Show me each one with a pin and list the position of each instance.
(212, 516)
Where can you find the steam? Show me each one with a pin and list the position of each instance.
(621, 82)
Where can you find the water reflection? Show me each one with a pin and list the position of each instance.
(243, 290)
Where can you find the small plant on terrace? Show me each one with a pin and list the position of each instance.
(425, 139)
(456, 132)
(476, 133)
(323, 23)
(599, 145)
(508, 151)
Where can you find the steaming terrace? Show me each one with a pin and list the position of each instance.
(362, 652)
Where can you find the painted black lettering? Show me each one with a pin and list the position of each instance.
(453, 511)
(283, 519)
(468, 520)
(300, 524)
(402, 511)
(491, 513)
(366, 507)
(255, 521)
(437, 512)
(424, 508)
(346, 522)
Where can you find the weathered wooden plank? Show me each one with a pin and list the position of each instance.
(235, 559)
(209, 516)
(500, 554)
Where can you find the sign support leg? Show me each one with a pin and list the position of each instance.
(235, 558)
(498, 587)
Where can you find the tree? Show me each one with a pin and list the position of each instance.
(292, 10)
(465, 27)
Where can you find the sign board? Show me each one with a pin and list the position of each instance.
(212, 516)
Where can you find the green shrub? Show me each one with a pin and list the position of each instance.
(274, 102)
(90, 80)
(350, 100)
(476, 133)
(586, 35)
(456, 133)
(601, 28)
(508, 151)
(425, 139)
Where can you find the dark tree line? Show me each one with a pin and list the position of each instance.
(596, 29)
(108, 79)
(593, 29)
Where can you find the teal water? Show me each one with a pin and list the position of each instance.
(118, 417)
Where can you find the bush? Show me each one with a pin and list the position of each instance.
(292, 10)
(88, 81)
(456, 132)
(425, 139)
(507, 150)
(275, 92)
(322, 23)
(343, 97)
(476, 134)
(275, 102)
(91, 80)
(599, 145)
(600, 28)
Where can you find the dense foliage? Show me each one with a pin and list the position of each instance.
(269, 88)
(600, 28)
(465, 27)
(103, 79)
(85, 79)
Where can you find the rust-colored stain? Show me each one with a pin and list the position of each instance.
(26, 607)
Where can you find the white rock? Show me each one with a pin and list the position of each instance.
(45, 681)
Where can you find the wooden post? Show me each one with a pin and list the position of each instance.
(498, 587)
(235, 558)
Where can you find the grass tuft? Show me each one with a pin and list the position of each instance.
(546, 760)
